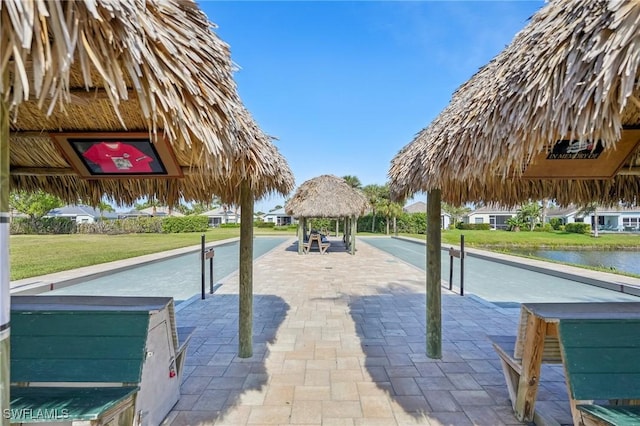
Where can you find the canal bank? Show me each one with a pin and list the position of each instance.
(610, 281)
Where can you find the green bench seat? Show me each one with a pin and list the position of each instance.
(76, 365)
(39, 404)
(602, 363)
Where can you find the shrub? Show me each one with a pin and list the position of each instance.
(263, 224)
(578, 228)
(229, 225)
(412, 223)
(543, 228)
(173, 225)
(44, 225)
(474, 226)
(555, 223)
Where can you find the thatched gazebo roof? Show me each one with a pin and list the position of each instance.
(572, 73)
(327, 196)
(150, 67)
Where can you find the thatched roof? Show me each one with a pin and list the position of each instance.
(327, 196)
(155, 67)
(572, 73)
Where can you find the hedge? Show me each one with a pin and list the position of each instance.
(474, 226)
(578, 228)
(173, 225)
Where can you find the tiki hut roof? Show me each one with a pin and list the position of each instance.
(152, 67)
(327, 196)
(571, 73)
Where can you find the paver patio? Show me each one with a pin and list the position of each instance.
(340, 340)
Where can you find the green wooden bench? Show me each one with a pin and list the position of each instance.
(602, 365)
(55, 351)
(92, 360)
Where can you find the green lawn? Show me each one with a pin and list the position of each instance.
(33, 255)
(550, 240)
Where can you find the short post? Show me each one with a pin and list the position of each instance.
(209, 255)
(461, 265)
(451, 256)
(202, 265)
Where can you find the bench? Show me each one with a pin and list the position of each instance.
(317, 238)
(601, 358)
(506, 348)
(93, 360)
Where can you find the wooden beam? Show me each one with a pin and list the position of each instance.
(434, 288)
(68, 171)
(245, 320)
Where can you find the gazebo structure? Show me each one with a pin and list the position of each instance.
(555, 115)
(148, 78)
(328, 196)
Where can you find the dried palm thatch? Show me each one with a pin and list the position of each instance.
(155, 67)
(327, 196)
(572, 72)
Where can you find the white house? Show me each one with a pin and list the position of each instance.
(616, 218)
(221, 215)
(565, 214)
(496, 216)
(161, 211)
(421, 207)
(279, 217)
(81, 214)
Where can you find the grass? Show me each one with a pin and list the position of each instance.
(33, 255)
(504, 240)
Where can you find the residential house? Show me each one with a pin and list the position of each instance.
(161, 211)
(279, 217)
(81, 214)
(421, 207)
(617, 218)
(568, 214)
(223, 214)
(494, 215)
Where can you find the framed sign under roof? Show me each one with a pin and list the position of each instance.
(121, 154)
(573, 159)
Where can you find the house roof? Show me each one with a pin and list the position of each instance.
(493, 208)
(417, 207)
(81, 210)
(277, 212)
(219, 211)
(162, 211)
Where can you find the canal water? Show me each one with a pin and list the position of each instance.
(616, 261)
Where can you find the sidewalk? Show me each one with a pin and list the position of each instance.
(340, 340)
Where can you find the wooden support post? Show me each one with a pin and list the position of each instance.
(354, 231)
(434, 292)
(245, 319)
(300, 235)
(5, 298)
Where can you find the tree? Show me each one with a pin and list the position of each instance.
(456, 212)
(376, 194)
(388, 209)
(530, 213)
(34, 204)
(103, 207)
(353, 181)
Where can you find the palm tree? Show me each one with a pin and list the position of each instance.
(103, 206)
(456, 212)
(388, 209)
(376, 194)
(530, 213)
(353, 181)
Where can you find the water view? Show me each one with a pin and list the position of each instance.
(620, 261)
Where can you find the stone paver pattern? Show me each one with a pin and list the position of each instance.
(340, 340)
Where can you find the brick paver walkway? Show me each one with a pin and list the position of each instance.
(340, 340)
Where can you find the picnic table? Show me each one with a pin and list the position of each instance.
(537, 342)
(317, 239)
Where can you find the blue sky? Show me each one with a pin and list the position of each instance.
(343, 86)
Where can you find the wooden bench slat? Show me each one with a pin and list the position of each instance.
(80, 323)
(64, 403)
(605, 386)
(74, 370)
(587, 360)
(619, 415)
(84, 347)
